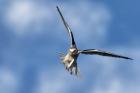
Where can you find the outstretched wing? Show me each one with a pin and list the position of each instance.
(73, 44)
(102, 53)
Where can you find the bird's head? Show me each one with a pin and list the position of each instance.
(73, 51)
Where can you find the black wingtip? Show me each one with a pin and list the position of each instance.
(128, 58)
(57, 8)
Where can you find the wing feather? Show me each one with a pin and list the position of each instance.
(102, 53)
(73, 44)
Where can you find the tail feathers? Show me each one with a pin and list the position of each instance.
(73, 69)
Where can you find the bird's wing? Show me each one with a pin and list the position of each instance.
(102, 53)
(73, 44)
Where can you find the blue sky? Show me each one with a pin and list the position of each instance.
(32, 35)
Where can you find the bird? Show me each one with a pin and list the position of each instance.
(70, 59)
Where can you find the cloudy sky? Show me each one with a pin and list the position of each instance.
(32, 35)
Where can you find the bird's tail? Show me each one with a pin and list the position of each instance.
(73, 69)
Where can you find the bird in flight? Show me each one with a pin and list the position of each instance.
(70, 59)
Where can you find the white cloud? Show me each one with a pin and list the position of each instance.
(114, 86)
(25, 16)
(8, 81)
(49, 84)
